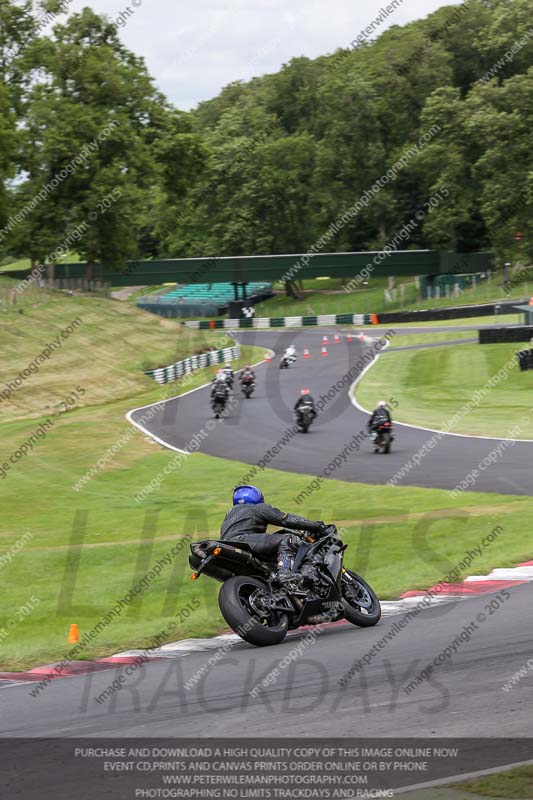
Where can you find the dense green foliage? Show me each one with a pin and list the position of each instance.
(270, 165)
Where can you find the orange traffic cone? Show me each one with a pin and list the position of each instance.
(73, 634)
(324, 351)
(336, 339)
(267, 358)
(306, 353)
(325, 340)
(349, 337)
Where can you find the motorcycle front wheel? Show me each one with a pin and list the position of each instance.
(360, 602)
(238, 605)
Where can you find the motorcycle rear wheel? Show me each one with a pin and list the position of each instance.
(360, 602)
(234, 603)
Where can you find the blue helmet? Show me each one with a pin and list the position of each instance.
(247, 494)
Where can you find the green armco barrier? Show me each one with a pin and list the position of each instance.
(344, 319)
(263, 323)
(193, 363)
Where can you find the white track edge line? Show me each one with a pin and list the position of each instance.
(351, 392)
(160, 441)
(459, 778)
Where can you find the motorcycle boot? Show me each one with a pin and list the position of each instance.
(286, 553)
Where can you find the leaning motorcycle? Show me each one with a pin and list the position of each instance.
(218, 404)
(286, 361)
(304, 418)
(261, 610)
(383, 437)
(247, 388)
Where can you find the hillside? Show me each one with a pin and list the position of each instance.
(52, 343)
(434, 116)
(435, 112)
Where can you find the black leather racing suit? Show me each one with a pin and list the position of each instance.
(305, 400)
(379, 416)
(220, 390)
(247, 376)
(248, 523)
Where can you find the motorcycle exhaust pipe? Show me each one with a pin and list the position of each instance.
(315, 619)
(225, 549)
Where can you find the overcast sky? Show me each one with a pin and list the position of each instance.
(193, 49)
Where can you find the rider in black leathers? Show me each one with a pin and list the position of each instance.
(219, 391)
(305, 399)
(248, 523)
(379, 416)
(247, 375)
(230, 375)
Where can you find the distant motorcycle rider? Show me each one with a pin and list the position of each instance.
(248, 520)
(230, 375)
(379, 416)
(290, 353)
(247, 375)
(220, 377)
(305, 401)
(219, 388)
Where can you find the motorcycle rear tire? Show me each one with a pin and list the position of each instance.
(234, 609)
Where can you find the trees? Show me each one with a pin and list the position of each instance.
(17, 27)
(85, 155)
(268, 165)
(500, 121)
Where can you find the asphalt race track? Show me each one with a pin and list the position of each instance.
(463, 697)
(254, 426)
(326, 690)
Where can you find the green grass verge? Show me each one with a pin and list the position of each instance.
(432, 385)
(515, 783)
(371, 299)
(409, 339)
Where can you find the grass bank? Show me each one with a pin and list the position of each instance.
(90, 346)
(371, 299)
(433, 384)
